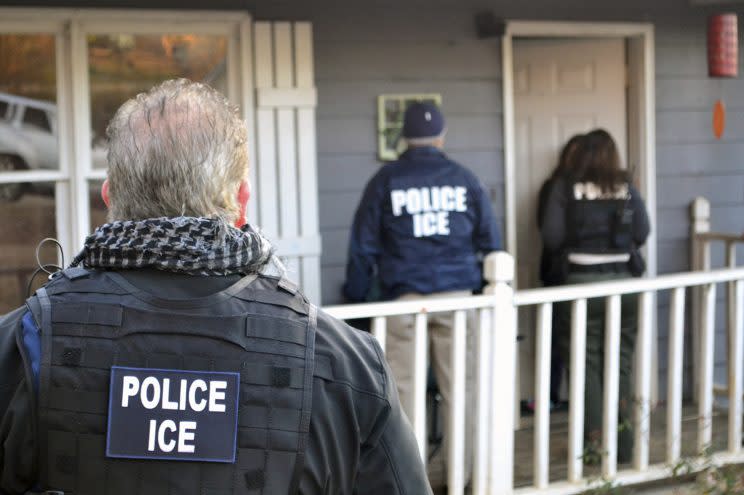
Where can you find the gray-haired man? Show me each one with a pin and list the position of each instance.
(174, 336)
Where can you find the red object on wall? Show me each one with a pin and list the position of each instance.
(723, 40)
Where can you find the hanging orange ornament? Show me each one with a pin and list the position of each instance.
(719, 119)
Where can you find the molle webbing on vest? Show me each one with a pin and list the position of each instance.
(91, 323)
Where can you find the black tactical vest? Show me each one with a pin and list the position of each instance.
(599, 226)
(260, 328)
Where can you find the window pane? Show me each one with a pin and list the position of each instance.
(123, 65)
(28, 97)
(23, 224)
(36, 117)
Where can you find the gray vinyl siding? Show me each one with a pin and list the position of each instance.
(691, 163)
(409, 58)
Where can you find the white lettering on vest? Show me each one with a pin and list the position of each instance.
(150, 383)
(182, 396)
(151, 436)
(591, 191)
(186, 432)
(167, 425)
(217, 392)
(200, 405)
(167, 403)
(130, 387)
(197, 396)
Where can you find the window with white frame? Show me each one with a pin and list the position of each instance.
(62, 76)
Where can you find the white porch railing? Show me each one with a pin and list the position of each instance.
(496, 375)
(496, 338)
(702, 241)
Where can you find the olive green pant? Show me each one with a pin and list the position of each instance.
(595, 359)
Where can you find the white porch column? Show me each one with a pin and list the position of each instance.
(499, 272)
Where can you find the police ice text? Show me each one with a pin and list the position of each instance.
(195, 395)
(429, 207)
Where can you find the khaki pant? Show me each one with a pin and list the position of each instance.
(399, 352)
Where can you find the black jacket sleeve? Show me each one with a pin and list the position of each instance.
(641, 223)
(487, 236)
(360, 441)
(553, 226)
(17, 441)
(390, 461)
(365, 242)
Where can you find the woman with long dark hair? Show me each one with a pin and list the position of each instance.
(595, 221)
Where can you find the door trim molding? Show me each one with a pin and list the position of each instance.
(645, 67)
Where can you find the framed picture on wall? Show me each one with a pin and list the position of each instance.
(390, 111)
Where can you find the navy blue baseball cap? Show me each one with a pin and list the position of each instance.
(422, 120)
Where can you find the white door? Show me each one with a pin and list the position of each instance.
(561, 88)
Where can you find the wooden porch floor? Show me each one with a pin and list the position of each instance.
(524, 438)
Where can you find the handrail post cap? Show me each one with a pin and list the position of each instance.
(498, 266)
(700, 207)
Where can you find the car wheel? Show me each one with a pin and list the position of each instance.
(13, 191)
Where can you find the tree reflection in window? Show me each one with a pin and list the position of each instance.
(123, 65)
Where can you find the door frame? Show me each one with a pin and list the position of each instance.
(641, 108)
(641, 113)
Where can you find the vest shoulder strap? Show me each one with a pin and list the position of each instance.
(307, 401)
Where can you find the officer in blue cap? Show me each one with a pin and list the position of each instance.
(421, 228)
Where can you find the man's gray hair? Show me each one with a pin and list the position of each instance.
(179, 149)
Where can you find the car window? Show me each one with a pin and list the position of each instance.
(37, 118)
(4, 105)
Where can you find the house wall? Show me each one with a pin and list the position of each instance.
(365, 48)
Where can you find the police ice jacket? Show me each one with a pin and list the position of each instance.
(421, 226)
(346, 433)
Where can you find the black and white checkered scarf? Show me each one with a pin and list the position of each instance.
(195, 246)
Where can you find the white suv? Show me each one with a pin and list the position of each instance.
(28, 140)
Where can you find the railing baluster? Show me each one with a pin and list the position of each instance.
(576, 401)
(730, 307)
(642, 407)
(674, 390)
(420, 371)
(611, 385)
(500, 267)
(705, 393)
(542, 396)
(456, 454)
(480, 467)
(736, 339)
(700, 224)
(379, 330)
